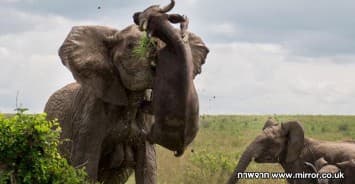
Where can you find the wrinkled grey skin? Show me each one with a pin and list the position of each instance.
(348, 168)
(100, 134)
(104, 114)
(321, 166)
(285, 144)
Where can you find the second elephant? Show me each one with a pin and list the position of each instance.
(286, 144)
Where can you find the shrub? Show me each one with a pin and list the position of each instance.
(29, 154)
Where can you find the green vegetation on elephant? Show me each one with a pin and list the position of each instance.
(28, 152)
(145, 48)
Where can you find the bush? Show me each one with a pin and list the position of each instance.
(29, 154)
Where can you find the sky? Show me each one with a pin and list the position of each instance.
(266, 57)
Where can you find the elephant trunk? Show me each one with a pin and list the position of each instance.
(252, 150)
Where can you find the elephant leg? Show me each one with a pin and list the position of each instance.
(88, 143)
(115, 176)
(145, 171)
(87, 153)
(117, 157)
(120, 176)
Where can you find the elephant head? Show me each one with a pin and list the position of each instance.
(175, 101)
(277, 143)
(101, 60)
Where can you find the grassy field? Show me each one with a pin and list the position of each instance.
(221, 139)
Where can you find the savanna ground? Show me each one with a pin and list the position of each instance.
(222, 139)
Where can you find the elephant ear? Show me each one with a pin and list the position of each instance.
(198, 48)
(85, 53)
(199, 52)
(295, 133)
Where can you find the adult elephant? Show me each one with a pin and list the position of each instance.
(104, 113)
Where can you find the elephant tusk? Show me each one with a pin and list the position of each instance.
(143, 25)
(149, 34)
(148, 95)
(153, 64)
(185, 37)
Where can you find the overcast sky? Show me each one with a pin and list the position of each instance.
(266, 57)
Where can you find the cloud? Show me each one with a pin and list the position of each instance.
(306, 28)
(15, 1)
(28, 57)
(258, 78)
(29, 62)
(266, 57)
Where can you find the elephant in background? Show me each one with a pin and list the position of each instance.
(321, 166)
(106, 114)
(286, 144)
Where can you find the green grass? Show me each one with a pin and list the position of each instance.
(8, 115)
(222, 139)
